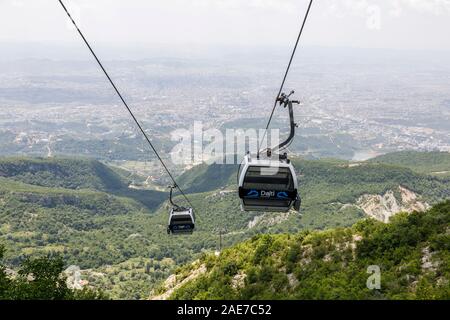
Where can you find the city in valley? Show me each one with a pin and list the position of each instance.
(355, 103)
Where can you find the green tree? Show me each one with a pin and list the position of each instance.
(41, 279)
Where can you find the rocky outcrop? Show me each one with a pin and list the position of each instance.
(73, 280)
(172, 283)
(383, 207)
(238, 280)
(268, 219)
(428, 264)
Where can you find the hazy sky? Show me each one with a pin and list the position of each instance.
(400, 24)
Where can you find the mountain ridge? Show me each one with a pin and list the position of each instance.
(411, 253)
(75, 174)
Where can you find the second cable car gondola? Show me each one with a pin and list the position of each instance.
(181, 219)
(270, 184)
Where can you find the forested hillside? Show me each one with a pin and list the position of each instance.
(208, 177)
(423, 162)
(75, 174)
(40, 279)
(84, 212)
(412, 253)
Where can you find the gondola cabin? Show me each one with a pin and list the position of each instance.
(267, 185)
(181, 221)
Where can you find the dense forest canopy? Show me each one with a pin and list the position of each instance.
(84, 212)
(412, 254)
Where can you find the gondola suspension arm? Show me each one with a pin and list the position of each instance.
(286, 102)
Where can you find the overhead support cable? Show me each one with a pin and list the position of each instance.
(285, 76)
(125, 104)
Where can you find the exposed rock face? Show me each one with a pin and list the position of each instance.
(172, 284)
(383, 207)
(73, 280)
(409, 199)
(220, 194)
(427, 260)
(293, 282)
(10, 273)
(268, 219)
(238, 280)
(379, 207)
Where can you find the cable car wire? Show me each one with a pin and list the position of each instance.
(285, 75)
(125, 104)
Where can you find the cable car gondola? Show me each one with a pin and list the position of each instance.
(270, 184)
(181, 219)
